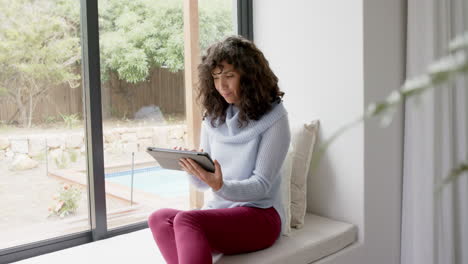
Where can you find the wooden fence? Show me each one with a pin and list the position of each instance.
(119, 98)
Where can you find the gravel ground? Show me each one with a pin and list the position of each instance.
(27, 195)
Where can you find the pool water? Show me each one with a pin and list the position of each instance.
(165, 183)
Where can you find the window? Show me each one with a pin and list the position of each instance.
(143, 100)
(41, 127)
(68, 148)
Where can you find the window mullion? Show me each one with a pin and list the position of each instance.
(93, 117)
(245, 18)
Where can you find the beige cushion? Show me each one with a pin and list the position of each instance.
(286, 192)
(303, 141)
(318, 238)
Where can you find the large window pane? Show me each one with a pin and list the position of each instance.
(143, 104)
(217, 20)
(41, 122)
(143, 99)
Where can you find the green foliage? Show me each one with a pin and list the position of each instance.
(36, 42)
(5, 127)
(40, 157)
(3, 91)
(70, 120)
(39, 48)
(139, 35)
(50, 119)
(66, 201)
(454, 174)
(40, 42)
(73, 155)
(62, 162)
(215, 21)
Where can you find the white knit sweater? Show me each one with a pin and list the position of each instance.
(250, 157)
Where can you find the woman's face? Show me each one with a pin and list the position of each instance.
(227, 82)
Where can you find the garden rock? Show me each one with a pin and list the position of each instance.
(129, 137)
(177, 133)
(110, 137)
(4, 143)
(160, 135)
(54, 142)
(130, 147)
(19, 146)
(143, 144)
(175, 142)
(74, 141)
(132, 129)
(150, 113)
(23, 162)
(145, 133)
(36, 147)
(120, 130)
(114, 147)
(9, 154)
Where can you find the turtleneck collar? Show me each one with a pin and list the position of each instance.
(230, 132)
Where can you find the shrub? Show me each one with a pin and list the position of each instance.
(66, 201)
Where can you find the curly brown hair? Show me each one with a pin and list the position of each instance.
(258, 84)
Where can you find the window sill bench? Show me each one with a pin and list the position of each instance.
(318, 238)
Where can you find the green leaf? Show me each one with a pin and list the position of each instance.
(454, 174)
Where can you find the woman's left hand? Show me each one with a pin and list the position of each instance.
(213, 179)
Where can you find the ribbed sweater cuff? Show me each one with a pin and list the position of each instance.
(222, 191)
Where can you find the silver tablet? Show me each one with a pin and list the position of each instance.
(169, 158)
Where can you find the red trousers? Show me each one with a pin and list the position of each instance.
(191, 236)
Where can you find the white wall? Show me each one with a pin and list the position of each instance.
(384, 70)
(315, 48)
(332, 58)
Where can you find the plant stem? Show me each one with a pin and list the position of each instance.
(454, 174)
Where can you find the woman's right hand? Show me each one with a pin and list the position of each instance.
(214, 180)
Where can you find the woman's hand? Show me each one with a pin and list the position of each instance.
(213, 179)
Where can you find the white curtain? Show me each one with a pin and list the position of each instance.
(434, 229)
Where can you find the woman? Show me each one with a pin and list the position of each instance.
(245, 129)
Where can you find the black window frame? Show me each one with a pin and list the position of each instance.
(245, 19)
(94, 140)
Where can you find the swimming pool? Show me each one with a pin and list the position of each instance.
(165, 183)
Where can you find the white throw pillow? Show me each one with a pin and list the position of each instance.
(286, 191)
(303, 141)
